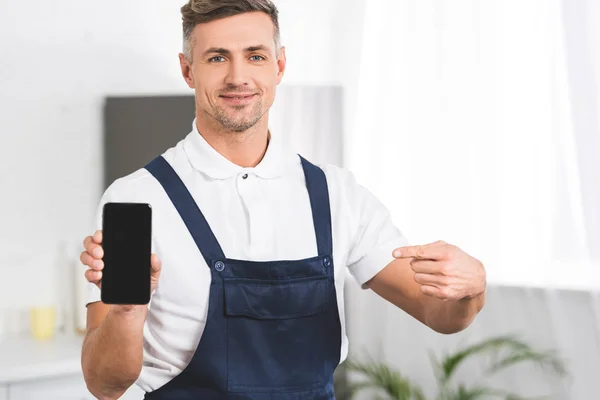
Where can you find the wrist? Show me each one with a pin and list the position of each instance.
(129, 311)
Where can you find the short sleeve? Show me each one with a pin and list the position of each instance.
(93, 294)
(375, 236)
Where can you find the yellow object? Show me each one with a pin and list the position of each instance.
(43, 320)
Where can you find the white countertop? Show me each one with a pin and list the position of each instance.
(22, 358)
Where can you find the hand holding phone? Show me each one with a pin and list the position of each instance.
(92, 258)
(119, 256)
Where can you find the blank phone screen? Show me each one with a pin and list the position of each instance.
(127, 245)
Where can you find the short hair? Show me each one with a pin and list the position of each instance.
(201, 11)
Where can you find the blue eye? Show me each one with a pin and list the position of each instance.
(260, 58)
(215, 59)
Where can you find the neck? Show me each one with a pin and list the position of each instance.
(245, 149)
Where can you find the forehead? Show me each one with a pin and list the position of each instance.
(236, 32)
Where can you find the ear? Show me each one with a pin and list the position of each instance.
(281, 63)
(186, 71)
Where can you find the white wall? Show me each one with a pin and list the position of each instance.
(58, 60)
(582, 37)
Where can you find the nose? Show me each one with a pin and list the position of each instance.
(236, 74)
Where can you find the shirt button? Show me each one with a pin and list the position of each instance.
(219, 266)
(327, 262)
(245, 176)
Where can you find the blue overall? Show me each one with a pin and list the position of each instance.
(273, 327)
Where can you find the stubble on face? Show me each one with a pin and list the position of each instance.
(238, 118)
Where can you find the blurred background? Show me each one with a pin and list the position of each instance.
(474, 122)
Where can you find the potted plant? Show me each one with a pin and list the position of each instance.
(504, 352)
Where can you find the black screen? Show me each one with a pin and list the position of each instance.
(127, 241)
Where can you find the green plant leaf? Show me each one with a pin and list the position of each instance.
(354, 388)
(516, 397)
(451, 362)
(480, 392)
(475, 393)
(544, 359)
(381, 376)
(504, 351)
(418, 393)
(438, 369)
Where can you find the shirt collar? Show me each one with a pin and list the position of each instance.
(207, 160)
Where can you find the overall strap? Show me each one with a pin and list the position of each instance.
(316, 184)
(188, 209)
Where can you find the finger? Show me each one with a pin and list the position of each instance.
(87, 241)
(97, 265)
(87, 259)
(96, 251)
(98, 237)
(424, 252)
(93, 276)
(426, 266)
(155, 263)
(438, 281)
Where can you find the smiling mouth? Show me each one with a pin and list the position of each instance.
(237, 96)
(238, 99)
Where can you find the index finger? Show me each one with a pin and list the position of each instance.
(98, 237)
(427, 252)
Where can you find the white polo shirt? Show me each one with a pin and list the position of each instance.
(264, 217)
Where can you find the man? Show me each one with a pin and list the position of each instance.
(254, 309)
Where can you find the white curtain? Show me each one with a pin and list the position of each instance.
(477, 123)
(464, 128)
(309, 120)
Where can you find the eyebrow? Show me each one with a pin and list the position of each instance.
(220, 50)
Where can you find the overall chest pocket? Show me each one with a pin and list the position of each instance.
(266, 300)
(280, 334)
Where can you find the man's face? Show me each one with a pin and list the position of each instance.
(235, 70)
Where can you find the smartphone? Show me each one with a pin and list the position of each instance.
(127, 245)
